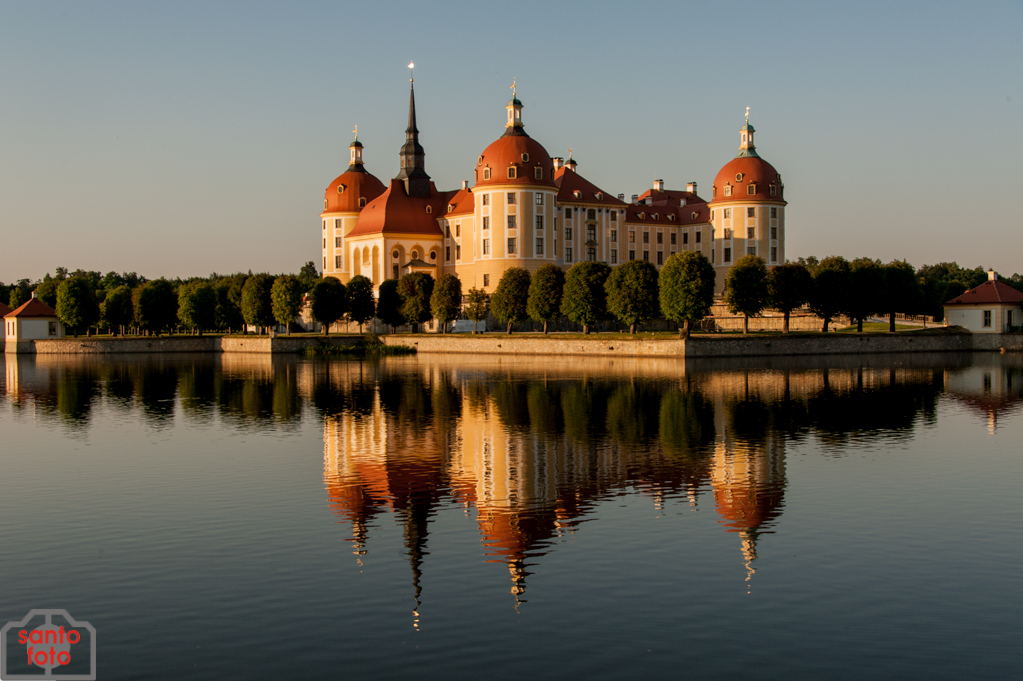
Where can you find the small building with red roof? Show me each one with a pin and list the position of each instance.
(992, 307)
(4, 311)
(35, 320)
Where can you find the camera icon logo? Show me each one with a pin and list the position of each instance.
(48, 644)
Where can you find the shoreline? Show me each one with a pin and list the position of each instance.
(599, 345)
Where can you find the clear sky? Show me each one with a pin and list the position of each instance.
(181, 138)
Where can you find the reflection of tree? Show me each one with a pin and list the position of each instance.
(76, 392)
(155, 388)
(633, 413)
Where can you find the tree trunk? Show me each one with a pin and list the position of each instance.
(891, 322)
(289, 328)
(745, 323)
(509, 328)
(545, 327)
(474, 322)
(859, 326)
(632, 329)
(825, 327)
(785, 327)
(586, 329)
(683, 331)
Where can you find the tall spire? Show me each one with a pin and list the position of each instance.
(412, 155)
(513, 126)
(355, 150)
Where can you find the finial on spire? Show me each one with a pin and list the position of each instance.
(356, 131)
(513, 87)
(747, 115)
(411, 73)
(570, 152)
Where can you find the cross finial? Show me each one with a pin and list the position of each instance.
(356, 131)
(570, 152)
(513, 88)
(747, 114)
(411, 65)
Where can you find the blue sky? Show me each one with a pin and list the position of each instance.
(176, 139)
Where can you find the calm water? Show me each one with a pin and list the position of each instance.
(462, 517)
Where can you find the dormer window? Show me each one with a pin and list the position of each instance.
(538, 173)
(600, 196)
(728, 190)
(511, 173)
(325, 204)
(774, 190)
(525, 158)
(714, 192)
(694, 215)
(429, 209)
(486, 173)
(479, 161)
(642, 216)
(751, 189)
(340, 189)
(738, 177)
(451, 207)
(654, 216)
(577, 194)
(671, 216)
(362, 202)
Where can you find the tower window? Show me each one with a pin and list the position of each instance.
(538, 173)
(774, 254)
(511, 222)
(458, 229)
(394, 254)
(539, 245)
(340, 189)
(614, 235)
(728, 255)
(774, 232)
(774, 213)
(738, 177)
(337, 223)
(568, 255)
(362, 202)
(511, 246)
(525, 158)
(511, 173)
(774, 190)
(511, 198)
(539, 198)
(337, 262)
(486, 247)
(568, 233)
(751, 189)
(539, 223)
(458, 251)
(486, 199)
(751, 212)
(337, 242)
(447, 254)
(433, 255)
(325, 208)
(728, 214)
(568, 213)
(751, 232)
(728, 190)
(486, 173)
(751, 250)
(486, 222)
(429, 209)
(486, 280)
(614, 256)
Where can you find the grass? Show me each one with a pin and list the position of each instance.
(362, 348)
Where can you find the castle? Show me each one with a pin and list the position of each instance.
(527, 209)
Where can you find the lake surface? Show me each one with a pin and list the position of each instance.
(476, 517)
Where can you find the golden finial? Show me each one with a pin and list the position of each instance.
(513, 88)
(570, 152)
(747, 115)
(411, 65)
(356, 131)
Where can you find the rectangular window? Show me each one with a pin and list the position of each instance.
(632, 255)
(646, 256)
(699, 235)
(728, 255)
(774, 232)
(511, 198)
(728, 213)
(511, 246)
(486, 222)
(337, 262)
(751, 250)
(458, 229)
(987, 319)
(660, 258)
(728, 190)
(712, 216)
(660, 238)
(486, 247)
(539, 223)
(539, 198)
(614, 236)
(774, 254)
(751, 212)
(337, 223)
(337, 242)
(591, 233)
(751, 190)
(511, 222)
(632, 237)
(447, 231)
(447, 254)
(324, 243)
(394, 271)
(486, 199)
(774, 191)
(458, 252)
(486, 280)
(539, 246)
(751, 232)
(511, 173)
(614, 256)
(568, 255)
(774, 213)
(486, 175)
(685, 238)
(614, 216)
(646, 237)
(674, 239)
(728, 233)
(713, 256)
(568, 233)
(538, 173)
(568, 213)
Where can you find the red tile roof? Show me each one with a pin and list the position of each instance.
(987, 293)
(464, 203)
(753, 170)
(505, 152)
(4, 310)
(33, 308)
(395, 212)
(356, 185)
(569, 182)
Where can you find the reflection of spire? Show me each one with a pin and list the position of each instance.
(749, 552)
(416, 517)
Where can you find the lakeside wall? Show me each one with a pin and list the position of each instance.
(598, 345)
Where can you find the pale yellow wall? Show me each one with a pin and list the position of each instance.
(739, 223)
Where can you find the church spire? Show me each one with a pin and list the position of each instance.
(746, 146)
(514, 107)
(413, 157)
(355, 150)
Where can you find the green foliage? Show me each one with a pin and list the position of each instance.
(866, 289)
(19, 296)
(361, 305)
(308, 275)
(256, 305)
(788, 287)
(942, 282)
(197, 306)
(686, 287)
(511, 296)
(229, 315)
(156, 306)
(746, 288)
(76, 304)
(830, 288)
(362, 348)
(545, 291)
(902, 289)
(389, 304)
(446, 301)
(330, 301)
(584, 300)
(632, 293)
(116, 310)
(415, 290)
(477, 307)
(286, 299)
(47, 291)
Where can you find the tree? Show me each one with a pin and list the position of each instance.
(788, 287)
(477, 307)
(330, 301)
(632, 293)
(19, 296)
(511, 296)
(308, 275)
(257, 307)
(197, 306)
(866, 290)
(446, 301)
(234, 297)
(286, 300)
(902, 290)
(46, 291)
(686, 289)
(389, 305)
(746, 288)
(545, 290)
(415, 290)
(829, 288)
(156, 306)
(76, 304)
(116, 310)
(361, 306)
(584, 300)
(229, 315)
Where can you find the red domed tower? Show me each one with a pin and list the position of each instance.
(747, 209)
(344, 198)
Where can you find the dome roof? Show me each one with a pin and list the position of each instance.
(356, 184)
(743, 171)
(508, 151)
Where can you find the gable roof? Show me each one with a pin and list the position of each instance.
(991, 291)
(463, 203)
(33, 308)
(569, 182)
(4, 310)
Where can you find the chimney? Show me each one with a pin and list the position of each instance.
(465, 184)
(621, 197)
(991, 276)
(659, 185)
(691, 187)
(33, 294)
(635, 198)
(558, 161)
